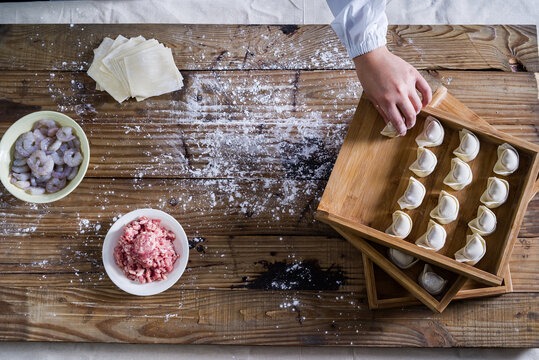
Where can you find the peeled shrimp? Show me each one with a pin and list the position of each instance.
(73, 173)
(55, 184)
(22, 184)
(19, 162)
(65, 134)
(34, 190)
(45, 123)
(26, 144)
(40, 163)
(45, 158)
(38, 135)
(52, 131)
(44, 178)
(18, 156)
(72, 157)
(61, 172)
(58, 157)
(20, 169)
(21, 176)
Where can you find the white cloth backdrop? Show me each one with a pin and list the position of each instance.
(257, 12)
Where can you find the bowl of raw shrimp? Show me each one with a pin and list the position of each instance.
(36, 154)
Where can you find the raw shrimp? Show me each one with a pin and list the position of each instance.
(44, 123)
(52, 131)
(65, 134)
(72, 157)
(44, 178)
(45, 143)
(34, 190)
(61, 172)
(55, 184)
(74, 144)
(18, 156)
(38, 135)
(48, 145)
(73, 173)
(22, 184)
(55, 146)
(58, 157)
(19, 162)
(21, 176)
(40, 163)
(26, 144)
(20, 169)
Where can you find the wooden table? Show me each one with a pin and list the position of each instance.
(240, 157)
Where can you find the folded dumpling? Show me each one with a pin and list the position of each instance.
(389, 131)
(447, 209)
(459, 176)
(413, 196)
(496, 193)
(434, 238)
(473, 251)
(507, 160)
(469, 146)
(430, 281)
(485, 222)
(432, 134)
(401, 226)
(425, 163)
(402, 260)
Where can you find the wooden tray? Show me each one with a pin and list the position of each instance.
(363, 188)
(408, 278)
(384, 292)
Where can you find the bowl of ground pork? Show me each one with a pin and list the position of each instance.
(145, 252)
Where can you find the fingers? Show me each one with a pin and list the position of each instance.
(423, 86)
(408, 111)
(416, 101)
(396, 119)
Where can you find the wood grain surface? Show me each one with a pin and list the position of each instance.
(240, 157)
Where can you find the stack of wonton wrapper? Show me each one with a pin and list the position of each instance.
(134, 67)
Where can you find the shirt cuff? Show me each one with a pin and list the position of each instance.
(361, 26)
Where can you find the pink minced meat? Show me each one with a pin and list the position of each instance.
(145, 250)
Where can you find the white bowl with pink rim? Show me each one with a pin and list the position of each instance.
(117, 275)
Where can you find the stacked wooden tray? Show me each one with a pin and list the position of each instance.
(371, 173)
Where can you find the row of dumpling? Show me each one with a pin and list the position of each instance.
(495, 195)
(432, 135)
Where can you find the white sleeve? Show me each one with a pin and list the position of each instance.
(360, 24)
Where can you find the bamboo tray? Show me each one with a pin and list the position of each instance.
(406, 278)
(363, 188)
(384, 292)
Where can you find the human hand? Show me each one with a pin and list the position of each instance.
(391, 83)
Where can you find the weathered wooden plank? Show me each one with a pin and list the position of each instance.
(216, 262)
(204, 206)
(250, 124)
(259, 317)
(211, 47)
(63, 240)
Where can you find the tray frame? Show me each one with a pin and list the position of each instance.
(471, 293)
(479, 126)
(404, 280)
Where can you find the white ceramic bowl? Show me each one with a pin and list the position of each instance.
(117, 275)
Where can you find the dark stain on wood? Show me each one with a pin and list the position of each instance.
(307, 159)
(516, 65)
(195, 241)
(289, 29)
(303, 275)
